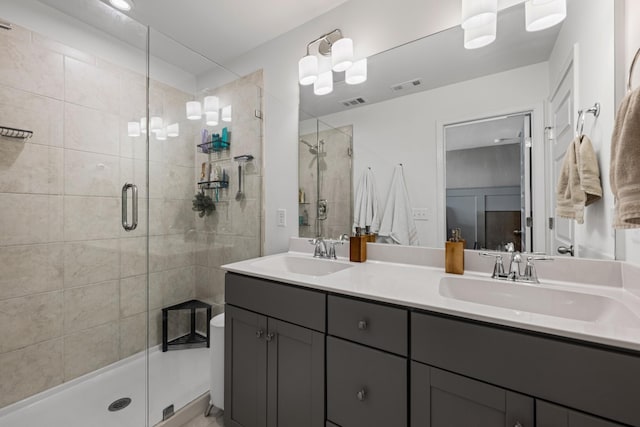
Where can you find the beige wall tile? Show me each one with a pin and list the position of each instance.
(26, 66)
(55, 46)
(39, 114)
(30, 168)
(91, 218)
(26, 270)
(29, 320)
(155, 327)
(133, 256)
(92, 130)
(26, 219)
(171, 251)
(91, 262)
(133, 334)
(133, 295)
(90, 306)
(91, 174)
(178, 182)
(90, 349)
(30, 370)
(91, 85)
(178, 285)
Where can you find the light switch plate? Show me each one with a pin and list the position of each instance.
(421, 214)
(281, 217)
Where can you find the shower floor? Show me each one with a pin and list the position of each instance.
(175, 377)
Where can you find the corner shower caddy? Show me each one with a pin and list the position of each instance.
(219, 146)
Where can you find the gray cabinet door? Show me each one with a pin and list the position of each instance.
(295, 377)
(443, 399)
(245, 390)
(550, 415)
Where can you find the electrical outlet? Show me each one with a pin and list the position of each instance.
(281, 217)
(421, 214)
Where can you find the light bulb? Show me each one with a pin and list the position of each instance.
(476, 13)
(211, 104)
(226, 113)
(308, 70)
(212, 118)
(481, 36)
(542, 15)
(173, 130)
(342, 54)
(155, 124)
(194, 110)
(133, 129)
(143, 125)
(324, 84)
(357, 73)
(161, 135)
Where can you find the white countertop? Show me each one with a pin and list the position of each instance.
(419, 287)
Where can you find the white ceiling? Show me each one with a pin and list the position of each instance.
(220, 30)
(507, 130)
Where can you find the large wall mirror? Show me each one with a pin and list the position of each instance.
(480, 134)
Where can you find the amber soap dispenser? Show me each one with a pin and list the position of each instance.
(454, 253)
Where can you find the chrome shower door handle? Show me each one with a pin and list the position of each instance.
(134, 207)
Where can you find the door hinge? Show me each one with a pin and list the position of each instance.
(551, 223)
(529, 221)
(258, 114)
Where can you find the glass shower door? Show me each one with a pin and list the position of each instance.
(73, 281)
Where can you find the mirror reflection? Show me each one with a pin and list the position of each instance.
(424, 97)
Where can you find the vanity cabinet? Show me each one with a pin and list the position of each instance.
(550, 415)
(443, 399)
(389, 365)
(274, 369)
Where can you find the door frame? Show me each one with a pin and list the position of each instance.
(537, 198)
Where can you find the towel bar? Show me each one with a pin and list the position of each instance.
(595, 110)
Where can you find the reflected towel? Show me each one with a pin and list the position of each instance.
(624, 172)
(397, 221)
(366, 207)
(579, 181)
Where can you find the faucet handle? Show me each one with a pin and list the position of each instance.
(498, 268)
(530, 274)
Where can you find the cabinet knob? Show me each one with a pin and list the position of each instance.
(518, 424)
(270, 337)
(362, 325)
(362, 394)
(259, 333)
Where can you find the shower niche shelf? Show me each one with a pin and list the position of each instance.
(212, 185)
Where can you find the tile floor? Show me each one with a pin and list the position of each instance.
(202, 421)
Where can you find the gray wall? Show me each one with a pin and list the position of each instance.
(497, 166)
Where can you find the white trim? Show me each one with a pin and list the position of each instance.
(537, 152)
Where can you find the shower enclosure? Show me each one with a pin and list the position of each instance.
(325, 180)
(97, 231)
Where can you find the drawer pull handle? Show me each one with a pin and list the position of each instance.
(362, 394)
(518, 424)
(259, 334)
(362, 325)
(270, 337)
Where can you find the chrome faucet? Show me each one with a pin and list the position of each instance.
(515, 273)
(329, 252)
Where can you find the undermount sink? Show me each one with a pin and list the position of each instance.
(535, 299)
(301, 265)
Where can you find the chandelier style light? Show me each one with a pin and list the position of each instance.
(334, 53)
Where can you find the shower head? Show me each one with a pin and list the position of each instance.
(312, 149)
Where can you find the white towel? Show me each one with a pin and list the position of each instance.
(397, 220)
(366, 207)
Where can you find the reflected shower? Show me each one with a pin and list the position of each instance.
(312, 148)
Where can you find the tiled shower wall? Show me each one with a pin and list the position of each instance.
(72, 281)
(335, 181)
(234, 231)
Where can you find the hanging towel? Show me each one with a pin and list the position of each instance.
(366, 207)
(624, 172)
(579, 181)
(397, 220)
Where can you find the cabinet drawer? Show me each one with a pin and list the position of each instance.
(596, 380)
(368, 323)
(365, 387)
(295, 305)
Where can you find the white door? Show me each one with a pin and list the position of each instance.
(562, 123)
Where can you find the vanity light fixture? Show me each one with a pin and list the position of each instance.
(326, 54)
(480, 19)
(226, 113)
(194, 110)
(136, 129)
(143, 125)
(133, 129)
(543, 14)
(173, 130)
(124, 5)
(161, 134)
(155, 124)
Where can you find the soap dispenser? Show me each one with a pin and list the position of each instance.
(454, 253)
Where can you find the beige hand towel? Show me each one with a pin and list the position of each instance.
(589, 172)
(579, 181)
(625, 162)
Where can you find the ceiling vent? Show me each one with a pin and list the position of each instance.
(410, 84)
(353, 102)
